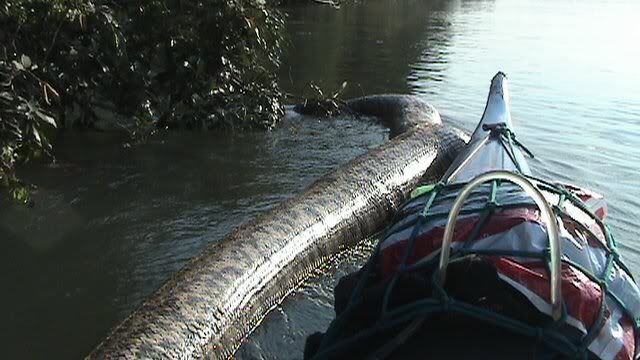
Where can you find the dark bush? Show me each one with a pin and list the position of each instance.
(133, 66)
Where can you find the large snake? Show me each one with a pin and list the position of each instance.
(207, 308)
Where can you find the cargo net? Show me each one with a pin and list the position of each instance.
(499, 275)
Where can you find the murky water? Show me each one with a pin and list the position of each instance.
(112, 223)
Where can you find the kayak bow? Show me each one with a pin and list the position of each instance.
(482, 154)
(531, 269)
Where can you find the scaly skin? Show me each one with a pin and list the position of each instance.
(207, 308)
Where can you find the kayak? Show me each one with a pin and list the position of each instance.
(490, 262)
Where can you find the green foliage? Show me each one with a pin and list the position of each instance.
(134, 66)
(208, 63)
(24, 123)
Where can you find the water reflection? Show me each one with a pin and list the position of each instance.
(370, 45)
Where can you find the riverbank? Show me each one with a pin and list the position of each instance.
(131, 68)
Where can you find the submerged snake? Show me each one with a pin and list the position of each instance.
(208, 307)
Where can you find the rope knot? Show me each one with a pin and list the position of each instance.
(495, 129)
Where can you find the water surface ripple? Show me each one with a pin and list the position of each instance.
(575, 87)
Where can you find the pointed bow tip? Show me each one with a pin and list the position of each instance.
(500, 75)
(499, 86)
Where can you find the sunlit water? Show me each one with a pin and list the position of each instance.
(574, 70)
(111, 224)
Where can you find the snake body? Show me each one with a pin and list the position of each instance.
(207, 308)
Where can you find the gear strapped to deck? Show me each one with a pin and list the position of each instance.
(565, 268)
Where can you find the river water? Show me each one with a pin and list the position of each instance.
(112, 223)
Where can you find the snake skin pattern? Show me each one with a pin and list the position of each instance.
(207, 308)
